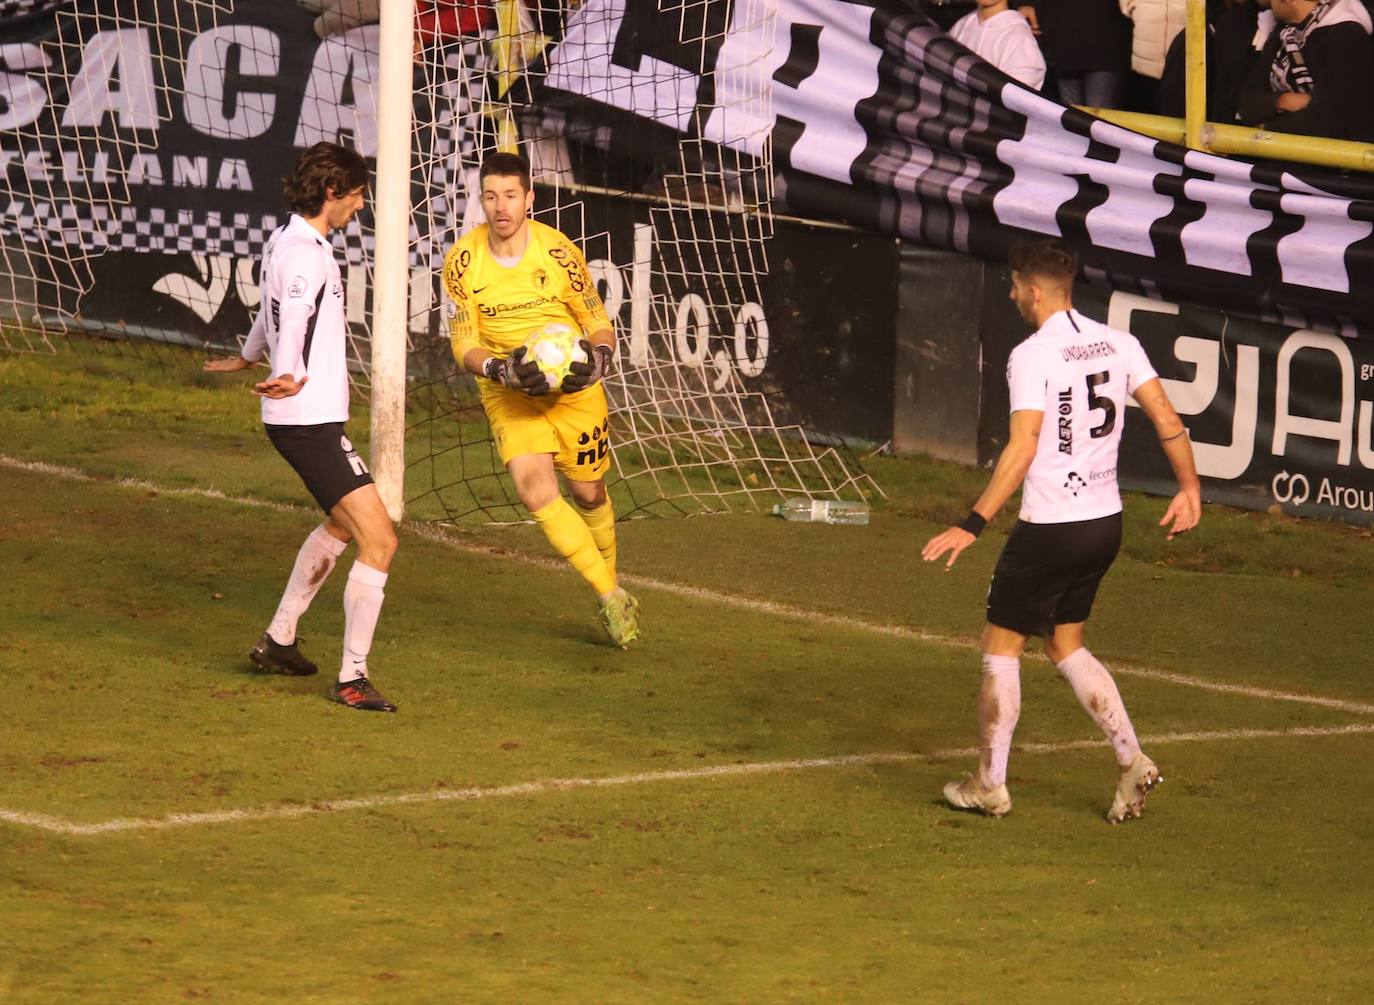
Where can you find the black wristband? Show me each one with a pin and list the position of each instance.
(494, 369)
(973, 523)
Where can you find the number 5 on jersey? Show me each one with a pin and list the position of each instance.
(1098, 401)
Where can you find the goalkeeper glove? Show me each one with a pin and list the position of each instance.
(583, 375)
(521, 376)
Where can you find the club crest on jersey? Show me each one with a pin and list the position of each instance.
(541, 278)
(1074, 483)
(1066, 422)
(296, 288)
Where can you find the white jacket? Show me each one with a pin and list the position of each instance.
(1154, 25)
(1004, 40)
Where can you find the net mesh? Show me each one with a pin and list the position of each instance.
(662, 174)
(72, 165)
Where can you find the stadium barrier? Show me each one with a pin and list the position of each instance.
(1279, 415)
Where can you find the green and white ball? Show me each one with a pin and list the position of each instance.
(555, 348)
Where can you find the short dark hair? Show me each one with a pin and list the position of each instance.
(505, 165)
(324, 168)
(1045, 260)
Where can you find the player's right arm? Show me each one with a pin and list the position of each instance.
(299, 278)
(1023, 441)
(1026, 382)
(1185, 509)
(465, 333)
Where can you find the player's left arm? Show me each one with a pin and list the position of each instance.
(581, 298)
(251, 352)
(1022, 443)
(1185, 509)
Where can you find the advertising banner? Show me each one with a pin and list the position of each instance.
(1279, 416)
(876, 116)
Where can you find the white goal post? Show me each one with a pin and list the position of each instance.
(145, 142)
(390, 273)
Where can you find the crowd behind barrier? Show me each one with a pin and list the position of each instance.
(1293, 66)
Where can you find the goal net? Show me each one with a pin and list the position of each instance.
(165, 127)
(84, 87)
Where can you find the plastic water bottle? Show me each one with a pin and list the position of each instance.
(823, 511)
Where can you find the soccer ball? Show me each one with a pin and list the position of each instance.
(555, 348)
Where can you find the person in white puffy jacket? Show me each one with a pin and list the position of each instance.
(1154, 25)
(1002, 37)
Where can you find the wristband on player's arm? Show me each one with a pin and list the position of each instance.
(974, 523)
(494, 369)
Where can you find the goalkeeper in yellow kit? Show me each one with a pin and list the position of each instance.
(507, 278)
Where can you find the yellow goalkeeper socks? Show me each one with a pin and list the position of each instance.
(572, 539)
(601, 522)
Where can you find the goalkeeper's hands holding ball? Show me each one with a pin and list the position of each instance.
(583, 375)
(517, 373)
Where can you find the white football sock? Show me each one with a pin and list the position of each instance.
(362, 606)
(314, 562)
(1097, 693)
(999, 708)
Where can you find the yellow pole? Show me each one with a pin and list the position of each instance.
(1248, 141)
(1195, 52)
(1161, 127)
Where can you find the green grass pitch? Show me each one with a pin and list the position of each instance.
(176, 827)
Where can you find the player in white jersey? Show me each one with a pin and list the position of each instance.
(1069, 383)
(302, 325)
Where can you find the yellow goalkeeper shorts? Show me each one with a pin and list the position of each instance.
(575, 428)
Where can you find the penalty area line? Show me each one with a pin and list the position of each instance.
(439, 536)
(58, 825)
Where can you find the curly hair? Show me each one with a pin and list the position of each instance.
(323, 169)
(1045, 260)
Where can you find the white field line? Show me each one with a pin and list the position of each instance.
(58, 825)
(432, 533)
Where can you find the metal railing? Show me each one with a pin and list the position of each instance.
(1194, 131)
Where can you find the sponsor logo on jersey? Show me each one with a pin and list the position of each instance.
(1102, 476)
(454, 266)
(567, 258)
(499, 309)
(1066, 421)
(1094, 350)
(296, 288)
(596, 443)
(1074, 483)
(336, 290)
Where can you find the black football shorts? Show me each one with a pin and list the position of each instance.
(324, 458)
(1048, 573)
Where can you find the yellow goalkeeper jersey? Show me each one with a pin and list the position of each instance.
(497, 307)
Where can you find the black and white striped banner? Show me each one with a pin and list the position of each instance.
(879, 118)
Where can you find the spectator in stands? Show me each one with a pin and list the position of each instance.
(1154, 25)
(1316, 75)
(433, 18)
(1087, 47)
(1002, 37)
(1236, 33)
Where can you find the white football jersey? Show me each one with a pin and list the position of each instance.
(1078, 372)
(302, 324)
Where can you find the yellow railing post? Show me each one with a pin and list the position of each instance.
(1195, 52)
(1250, 141)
